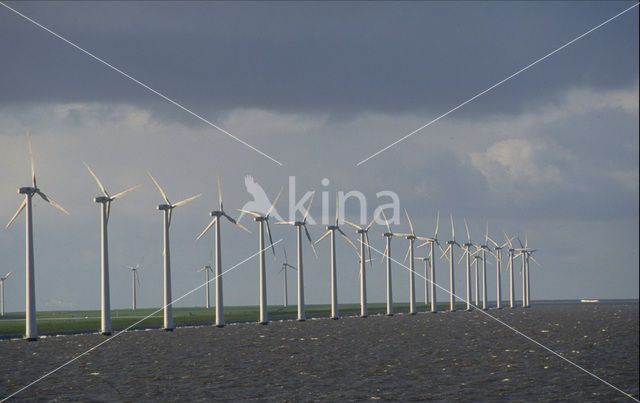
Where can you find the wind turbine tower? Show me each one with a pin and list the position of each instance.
(134, 277)
(31, 330)
(364, 241)
(452, 287)
(432, 242)
(498, 248)
(207, 270)
(285, 267)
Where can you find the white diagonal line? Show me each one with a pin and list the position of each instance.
(510, 327)
(143, 84)
(495, 85)
(128, 328)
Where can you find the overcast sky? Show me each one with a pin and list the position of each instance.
(551, 154)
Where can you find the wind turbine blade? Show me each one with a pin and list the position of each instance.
(423, 244)
(273, 249)
(95, 177)
(323, 236)
(366, 237)
(52, 202)
(526, 242)
(520, 242)
(242, 226)
(306, 213)
(444, 252)
(384, 254)
(274, 203)
(219, 191)
(207, 228)
(410, 224)
(386, 221)
(285, 254)
(466, 227)
(7, 275)
(185, 201)
(137, 277)
(462, 256)
(33, 165)
(406, 255)
(22, 205)
(124, 192)
(453, 229)
(306, 231)
(249, 212)
(336, 208)
(155, 182)
(348, 240)
(285, 222)
(534, 260)
(486, 234)
(140, 263)
(373, 220)
(352, 224)
(508, 240)
(435, 236)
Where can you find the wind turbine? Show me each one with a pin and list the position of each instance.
(207, 269)
(387, 253)
(262, 219)
(475, 264)
(498, 257)
(432, 242)
(167, 210)
(134, 277)
(331, 230)
(105, 210)
(484, 248)
(299, 226)
(364, 241)
(285, 267)
(31, 331)
(6, 276)
(412, 288)
(467, 254)
(218, 246)
(512, 251)
(451, 243)
(525, 252)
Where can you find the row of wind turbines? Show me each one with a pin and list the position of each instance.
(262, 219)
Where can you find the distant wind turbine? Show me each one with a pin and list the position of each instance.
(484, 248)
(218, 247)
(498, 248)
(331, 230)
(262, 220)
(6, 276)
(467, 253)
(31, 331)
(285, 266)
(167, 210)
(105, 210)
(387, 252)
(512, 252)
(300, 225)
(135, 277)
(207, 270)
(412, 287)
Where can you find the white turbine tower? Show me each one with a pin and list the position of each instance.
(525, 252)
(167, 210)
(6, 276)
(467, 253)
(218, 247)
(364, 241)
(285, 266)
(299, 226)
(475, 265)
(134, 277)
(31, 331)
(432, 242)
(498, 255)
(207, 270)
(451, 243)
(261, 220)
(105, 210)
(331, 230)
(412, 238)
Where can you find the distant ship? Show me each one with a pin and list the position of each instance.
(589, 300)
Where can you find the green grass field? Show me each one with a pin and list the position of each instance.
(58, 322)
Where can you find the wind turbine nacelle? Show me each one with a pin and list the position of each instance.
(387, 234)
(26, 190)
(163, 207)
(215, 213)
(101, 199)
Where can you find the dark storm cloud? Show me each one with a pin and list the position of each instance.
(338, 58)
